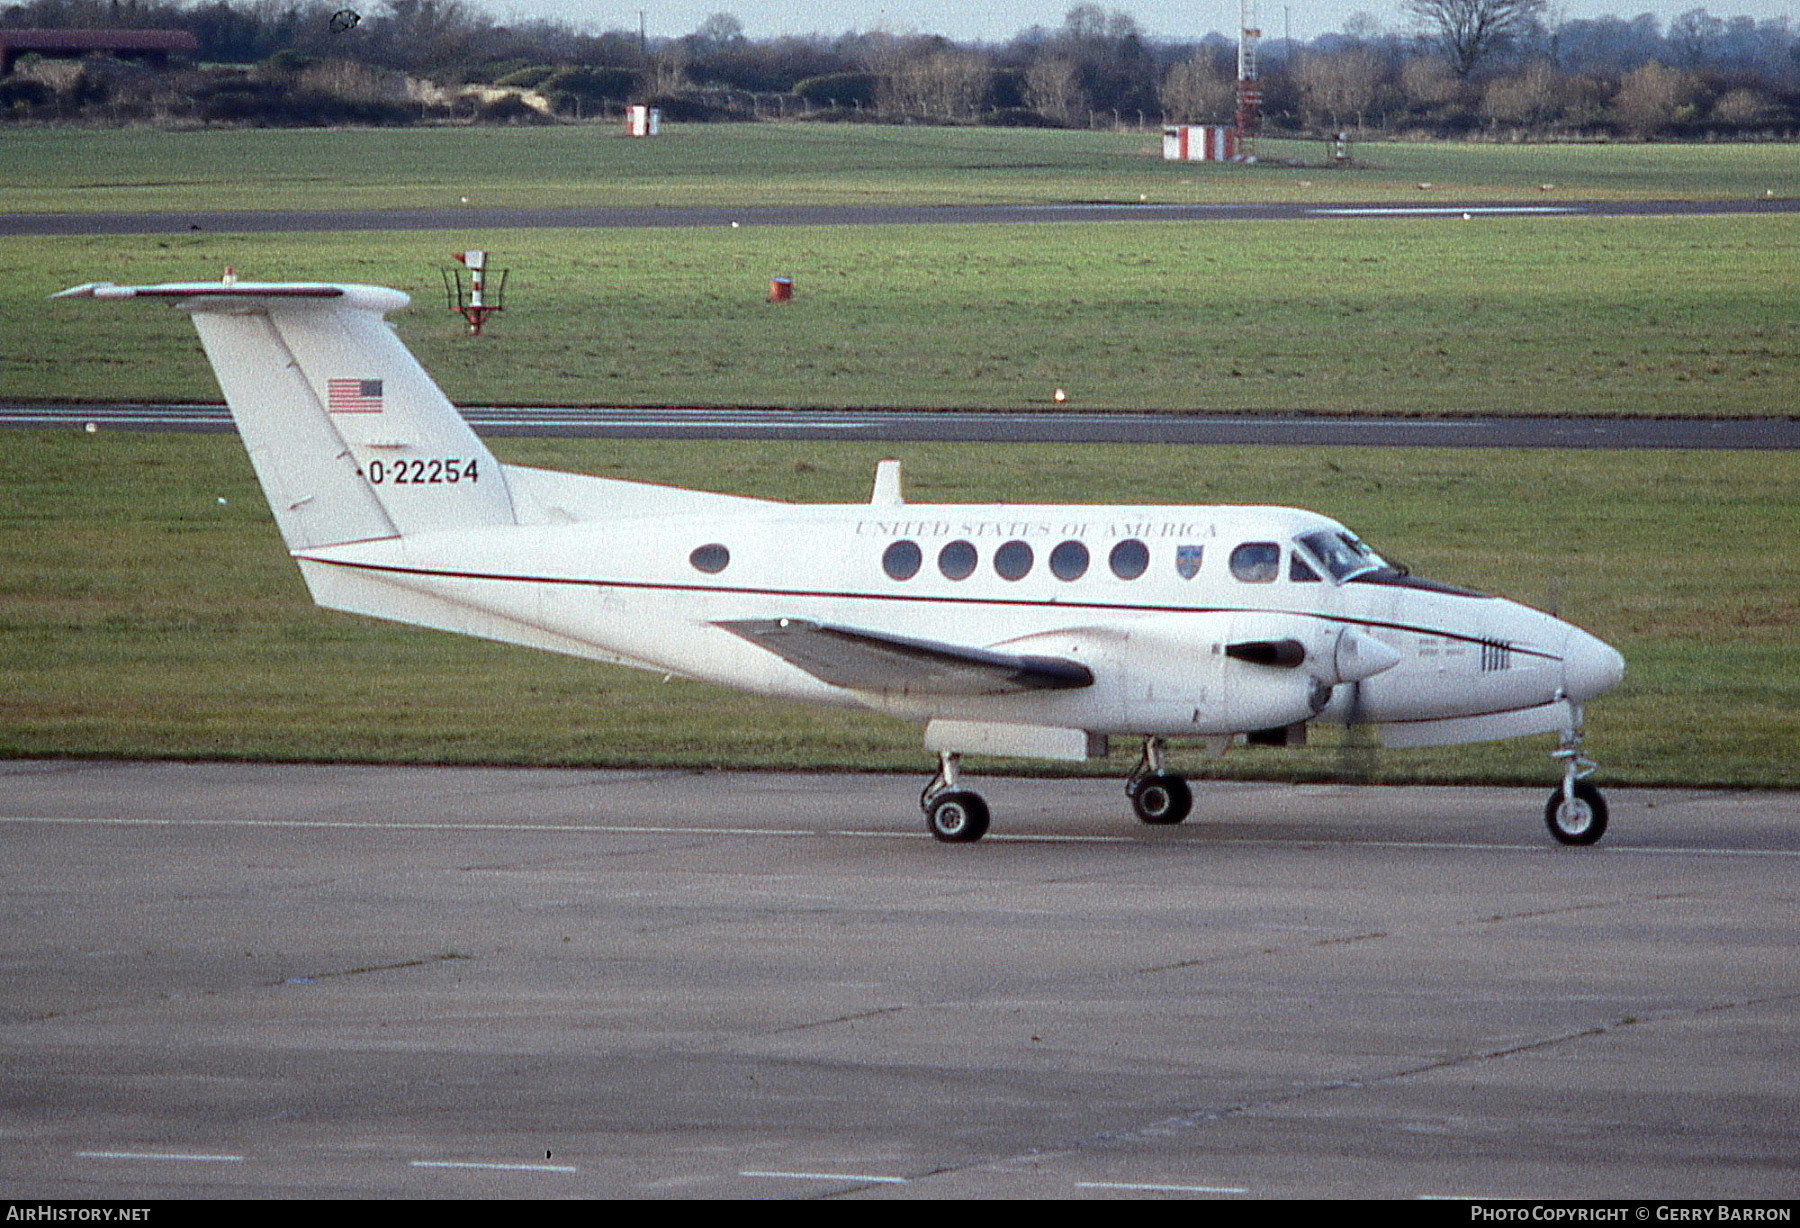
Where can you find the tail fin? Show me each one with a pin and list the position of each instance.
(350, 437)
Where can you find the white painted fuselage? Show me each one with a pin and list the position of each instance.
(625, 588)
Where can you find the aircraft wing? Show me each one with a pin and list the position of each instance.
(876, 661)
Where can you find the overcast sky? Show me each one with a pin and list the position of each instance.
(998, 22)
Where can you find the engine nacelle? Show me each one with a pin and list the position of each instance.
(1213, 673)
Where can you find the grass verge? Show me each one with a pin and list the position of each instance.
(1675, 316)
(56, 169)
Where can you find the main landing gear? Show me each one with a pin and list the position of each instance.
(953, 815)
(1159, 796)
(957, 815)
(1576, 812)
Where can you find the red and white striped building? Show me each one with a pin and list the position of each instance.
(1200, 143)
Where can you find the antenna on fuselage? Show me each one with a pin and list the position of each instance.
(887, 491)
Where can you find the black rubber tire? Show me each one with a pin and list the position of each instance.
(1582, 820)
(1161, 799)
(957, 817)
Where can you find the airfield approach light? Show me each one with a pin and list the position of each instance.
(472, 301)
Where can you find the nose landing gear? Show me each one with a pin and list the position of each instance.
(1576, 812)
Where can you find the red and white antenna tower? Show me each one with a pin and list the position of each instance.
(1249, 90)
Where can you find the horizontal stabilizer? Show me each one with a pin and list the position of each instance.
(210, 289)
(874, 661)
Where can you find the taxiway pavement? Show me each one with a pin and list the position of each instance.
(251, 980)
(1273, 429)
(294, 221)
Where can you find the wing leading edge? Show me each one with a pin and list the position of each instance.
(859, 660)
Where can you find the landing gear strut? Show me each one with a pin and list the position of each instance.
(953, 815)
(1159, 796)
(1576, 812)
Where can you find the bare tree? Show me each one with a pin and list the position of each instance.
(1428, 82)
(1652, 98)
(1530, 99)
(1053, 89)
(668, 71)
(429, 35)
(936, 81)
(719, 30)
(1199, 91)
(1743, 106)
(1467, 31)
(1694, 36)
(1339, 87)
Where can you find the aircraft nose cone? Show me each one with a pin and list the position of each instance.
(1591, 666)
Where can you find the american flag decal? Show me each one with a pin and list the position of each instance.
(353, 396)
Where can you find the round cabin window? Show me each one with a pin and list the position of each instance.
(1013, 560)
(901, 560)
(957, 560)
(711, 559)
(1069, 561)
(1129, 559)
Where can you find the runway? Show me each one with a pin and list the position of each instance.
(266, 981)
(978, 426)
(287, 221)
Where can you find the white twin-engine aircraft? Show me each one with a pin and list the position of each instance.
(1038, 631)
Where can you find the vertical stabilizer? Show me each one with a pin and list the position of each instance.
(350, 437)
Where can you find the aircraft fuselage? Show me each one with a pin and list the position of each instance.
(1060, 581)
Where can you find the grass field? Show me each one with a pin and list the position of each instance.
(140, 616)
(71, 169)
(1671, 316)
(147, 608)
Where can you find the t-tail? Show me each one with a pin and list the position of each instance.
(351, 439)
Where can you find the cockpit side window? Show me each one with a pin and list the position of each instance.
(1256, 562)
(1343, 556)
(1300, 571)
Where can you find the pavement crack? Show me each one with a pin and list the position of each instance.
(1597, 905)
(368, 968)
(184, 994)
(1194, 1119)
(853, 1017)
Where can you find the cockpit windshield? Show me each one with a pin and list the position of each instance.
(1342, 555)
